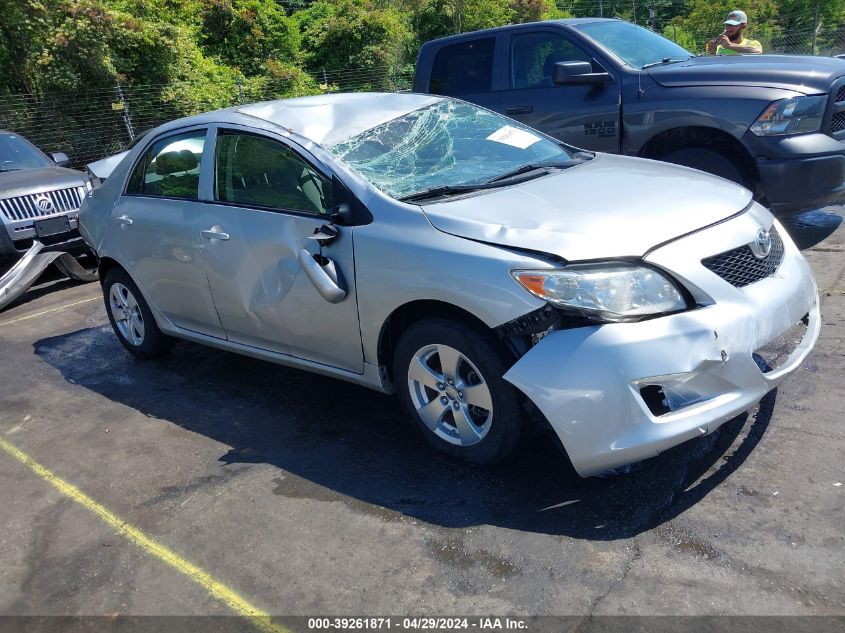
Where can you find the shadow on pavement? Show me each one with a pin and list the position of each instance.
(346, 443)
(809, 228)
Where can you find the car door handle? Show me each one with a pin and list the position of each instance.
(526, 109)
(215, 233)
(125, 220)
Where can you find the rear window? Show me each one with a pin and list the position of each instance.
(463, 69)
(170, 168)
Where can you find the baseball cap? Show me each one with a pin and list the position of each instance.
(737, 17)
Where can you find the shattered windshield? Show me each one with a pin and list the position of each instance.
(447, 144)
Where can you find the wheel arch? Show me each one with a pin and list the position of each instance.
(703, 137)
(412, 312)
(106, 264)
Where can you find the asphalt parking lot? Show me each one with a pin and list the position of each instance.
(302, 495)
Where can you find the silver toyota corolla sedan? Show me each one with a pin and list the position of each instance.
(488, 274)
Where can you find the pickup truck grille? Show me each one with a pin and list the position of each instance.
(740, 267)
(38, 205)
(837, 110)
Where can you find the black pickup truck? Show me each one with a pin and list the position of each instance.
(773, 123)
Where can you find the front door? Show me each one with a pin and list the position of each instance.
(155, 232)
(267, 201)
(585, 116)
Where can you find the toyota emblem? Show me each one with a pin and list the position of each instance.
(44, 204)
(762, 245)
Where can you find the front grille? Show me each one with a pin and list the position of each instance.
(837, 110)
(740, 267)
(28, 207)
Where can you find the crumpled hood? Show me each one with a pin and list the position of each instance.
(804, 74)
(612, 206)
(24, 181)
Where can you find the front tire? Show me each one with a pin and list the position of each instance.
(449, 379)
(131, 318)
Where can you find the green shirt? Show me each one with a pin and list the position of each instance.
(727, 51)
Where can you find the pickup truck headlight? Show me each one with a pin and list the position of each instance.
(791, 116)
(614, 291)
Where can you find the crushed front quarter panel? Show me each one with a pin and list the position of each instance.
(587, 381)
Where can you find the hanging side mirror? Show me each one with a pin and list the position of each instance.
(342, 215)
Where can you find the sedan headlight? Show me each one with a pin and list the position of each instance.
(791, 116)
(612, 291)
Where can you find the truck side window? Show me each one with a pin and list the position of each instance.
(534, 55)
(462, 69)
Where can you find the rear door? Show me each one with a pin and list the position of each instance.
(466, 70)
(585, 116)
(267, 199)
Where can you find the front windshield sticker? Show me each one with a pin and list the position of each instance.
(511, 136)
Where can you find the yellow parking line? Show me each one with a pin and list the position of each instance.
(38, 314)
(217, 589)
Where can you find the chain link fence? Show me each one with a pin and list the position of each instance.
(90, 125)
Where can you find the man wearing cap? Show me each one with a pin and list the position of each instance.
(732, 41)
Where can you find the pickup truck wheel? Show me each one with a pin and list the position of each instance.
(449, 379)
(131, 318)
(708, 160)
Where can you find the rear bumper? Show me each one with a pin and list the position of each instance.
(801, 172)
(588, 381)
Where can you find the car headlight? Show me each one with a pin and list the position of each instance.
(614, 291)
(791, 116)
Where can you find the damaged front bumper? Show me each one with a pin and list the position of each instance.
(619, 393)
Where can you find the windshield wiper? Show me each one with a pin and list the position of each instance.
(666, 60)
(520, 174)
(446, 190)
(5, 169)
(543, 168)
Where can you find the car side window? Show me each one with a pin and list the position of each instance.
(464, 68)
(534, 55)
(170, 168)
(257, 171)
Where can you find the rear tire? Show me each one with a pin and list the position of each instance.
(131, 318)
(711, 161)
(449, 379)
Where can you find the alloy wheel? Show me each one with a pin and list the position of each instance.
(127, 314)
(450, 395)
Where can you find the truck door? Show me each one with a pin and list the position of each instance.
(585, 116)
(465, 70)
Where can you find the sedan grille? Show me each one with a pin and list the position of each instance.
(740, 267)
(37, 205)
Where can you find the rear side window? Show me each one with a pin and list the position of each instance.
(463, 69)
(255, 171)
(534, 55)
(170, 168)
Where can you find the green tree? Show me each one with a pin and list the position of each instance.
(438, 18)
(246, 33)
(535, 11)
(354, 34)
